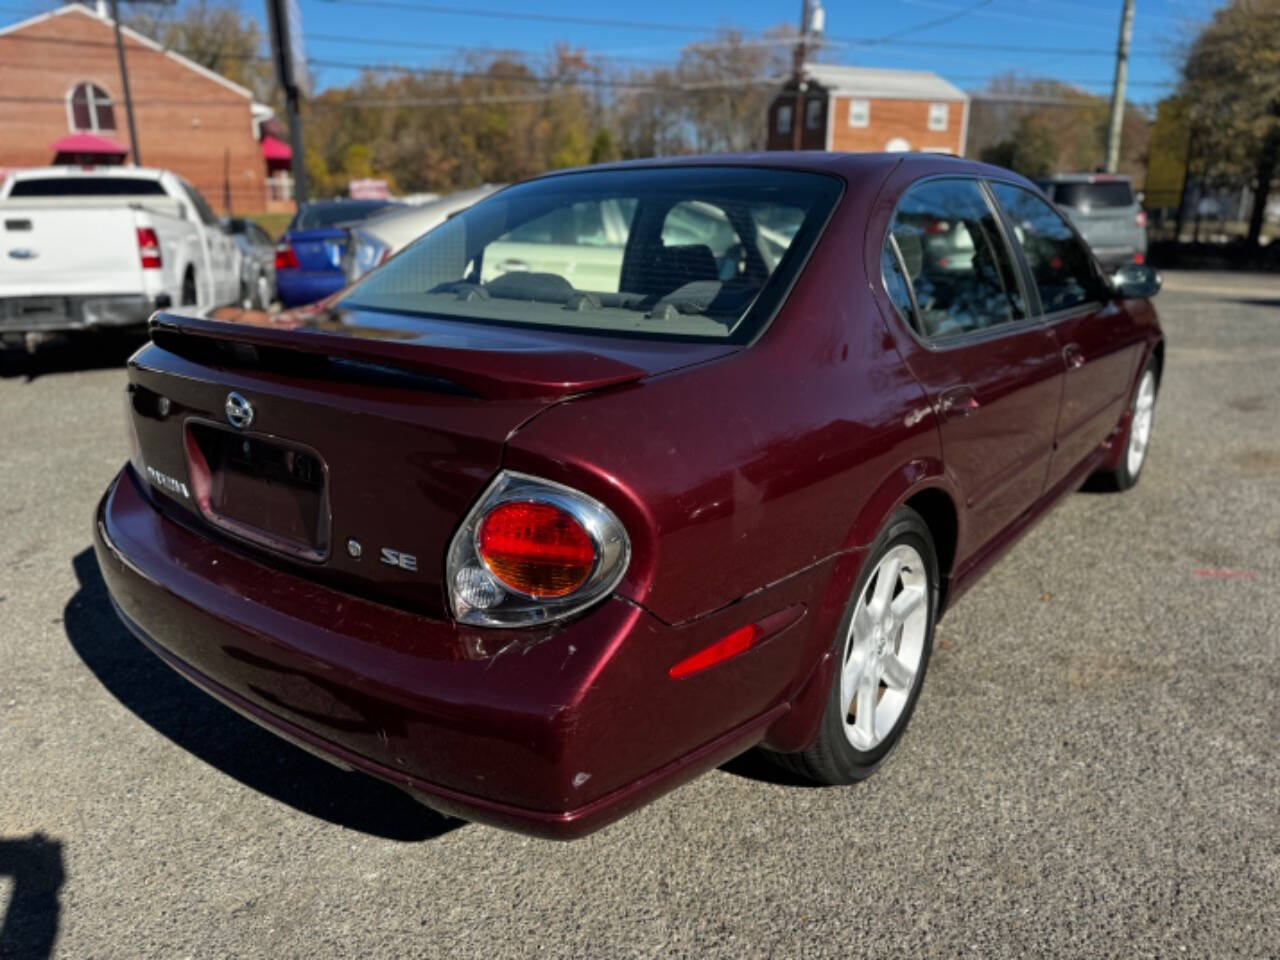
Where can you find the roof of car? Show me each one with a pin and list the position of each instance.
(105, 170)
(851, 166)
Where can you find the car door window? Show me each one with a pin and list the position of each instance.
(1061, 266)
(203, 209)
(956, 259)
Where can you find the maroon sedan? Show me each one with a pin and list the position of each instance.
(624, 471)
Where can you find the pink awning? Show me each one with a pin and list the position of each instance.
(274, 149)
(88, 143)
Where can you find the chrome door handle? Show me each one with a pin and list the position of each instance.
(957, 402)
(1073, 355)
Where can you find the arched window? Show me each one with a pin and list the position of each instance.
(89, 109)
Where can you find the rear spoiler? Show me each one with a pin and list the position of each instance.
(511, 371)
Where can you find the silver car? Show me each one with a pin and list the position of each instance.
(257, 263)
(1106, 211)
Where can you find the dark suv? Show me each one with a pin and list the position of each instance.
(1107, 213)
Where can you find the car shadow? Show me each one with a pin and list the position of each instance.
(756, 765)
(88, 352)
(29, 927)
(1260, 302)
(222, 738)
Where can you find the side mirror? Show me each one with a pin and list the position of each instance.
(1136, 281)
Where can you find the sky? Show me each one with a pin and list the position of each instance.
(1076, 39)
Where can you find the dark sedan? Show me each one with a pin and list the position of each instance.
(538, 551)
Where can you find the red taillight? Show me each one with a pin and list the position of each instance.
(286, 259)
(1140, 218)
(149, 248)
(937, 226)
(730, 646)
(1139, 258)
(537, 549)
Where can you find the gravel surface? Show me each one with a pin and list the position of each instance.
(1092, 769)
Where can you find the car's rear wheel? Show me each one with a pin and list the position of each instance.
(1137, 440)
(883, 648)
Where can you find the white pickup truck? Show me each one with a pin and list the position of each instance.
(103, 247)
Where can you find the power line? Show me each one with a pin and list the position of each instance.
(936, 22)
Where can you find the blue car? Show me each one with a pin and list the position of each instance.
(309, 255)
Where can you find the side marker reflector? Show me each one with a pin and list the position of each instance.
(729, 646)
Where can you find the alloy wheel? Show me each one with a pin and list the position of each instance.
(884, 648)
(1144, 409)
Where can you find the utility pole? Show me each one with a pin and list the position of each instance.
(1116, 126)
(124, 83)
(285, 23)
(797, 72)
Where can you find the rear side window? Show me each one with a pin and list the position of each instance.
(1093, 196)
(694, 252)
(956, 259)
(87, 187)
(1061, 266)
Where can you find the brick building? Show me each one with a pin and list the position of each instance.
(869, 109)
(59, 75)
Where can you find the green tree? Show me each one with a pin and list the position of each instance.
(1231, 80)
(215, 34)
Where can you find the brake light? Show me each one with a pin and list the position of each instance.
(1139, 258)
(1140, 219)
(149, 248)
(531, 551)
(735, 643)
(936, 227)
(537, 549)
(286, 259)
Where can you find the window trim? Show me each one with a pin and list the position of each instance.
(866, 120)
(811, 114)
(787, 110)
(946, 116)
(92, 101)
(1034, 318)
(1066, 313)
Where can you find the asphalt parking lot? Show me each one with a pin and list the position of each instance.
(1093, 768)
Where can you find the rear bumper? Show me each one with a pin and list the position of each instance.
(296, 288)
(1113, 257)
(550, 732)
(56, 314)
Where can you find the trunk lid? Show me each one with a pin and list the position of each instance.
(365, 427)
(319, 249)
(69, 252)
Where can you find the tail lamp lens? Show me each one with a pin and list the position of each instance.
(537, 549)
(532, 551)
(1140, 218)
(286, 259)
(149, 248)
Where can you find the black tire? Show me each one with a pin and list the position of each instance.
(832, 759)
(189, 288)
(1125, 476)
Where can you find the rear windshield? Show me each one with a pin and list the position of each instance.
(1093, 196)
(315, 215)
(695, 252)
(87, 187)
